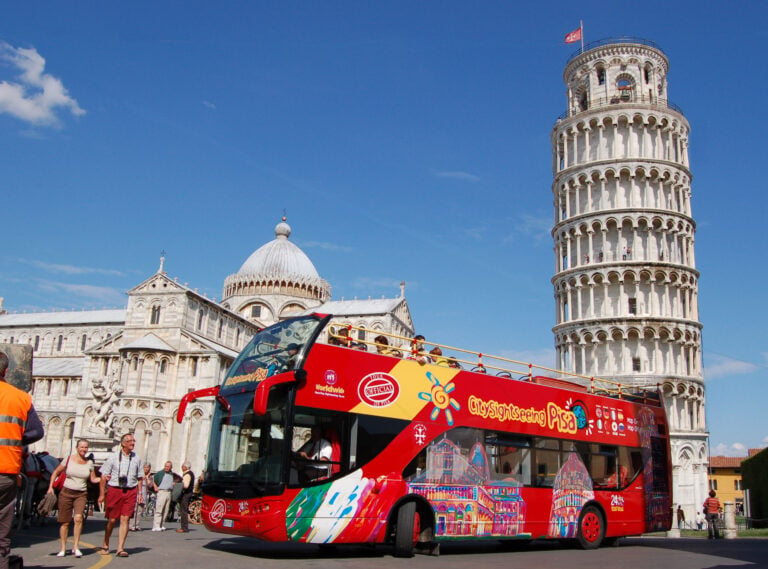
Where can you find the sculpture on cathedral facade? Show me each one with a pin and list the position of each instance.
(105, 398)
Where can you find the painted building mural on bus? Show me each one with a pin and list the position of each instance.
(460, 486)
(572, 489)
(465, 501)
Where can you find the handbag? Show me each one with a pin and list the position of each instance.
(58, 484)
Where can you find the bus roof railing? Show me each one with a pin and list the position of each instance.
(339, 333)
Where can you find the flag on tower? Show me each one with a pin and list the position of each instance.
(573, 36)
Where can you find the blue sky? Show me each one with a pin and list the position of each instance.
(406, 141)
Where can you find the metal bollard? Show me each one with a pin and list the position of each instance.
(730, 521)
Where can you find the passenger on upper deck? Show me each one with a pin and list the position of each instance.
(341, 337)
(437, 356)
(383, 347)
(416, 350)
(335, 336)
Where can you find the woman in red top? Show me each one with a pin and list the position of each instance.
(712, 511)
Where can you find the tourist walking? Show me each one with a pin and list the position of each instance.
(19, 426)
(73, 497)
(121, 481)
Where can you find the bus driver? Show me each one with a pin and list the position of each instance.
(315, 450)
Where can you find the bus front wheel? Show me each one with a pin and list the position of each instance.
(406, 516)
(591, 528)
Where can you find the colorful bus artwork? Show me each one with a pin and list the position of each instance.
(321, 435)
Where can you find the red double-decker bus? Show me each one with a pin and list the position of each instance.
(334, 444)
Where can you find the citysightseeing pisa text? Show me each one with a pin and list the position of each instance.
(553, 417)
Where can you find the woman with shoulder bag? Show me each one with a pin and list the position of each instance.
(73, 495)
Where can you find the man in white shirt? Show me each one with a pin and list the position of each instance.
(120, 489)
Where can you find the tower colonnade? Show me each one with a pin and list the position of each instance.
(625, 280)
(624, 236)
(634, 186)
(644, 134)
(630, 294)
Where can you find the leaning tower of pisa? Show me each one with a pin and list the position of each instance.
(626, 284)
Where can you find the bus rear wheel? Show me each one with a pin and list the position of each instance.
(591, 528)
(406, 516)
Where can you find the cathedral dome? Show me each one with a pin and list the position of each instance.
(279, 258)
(276, 268)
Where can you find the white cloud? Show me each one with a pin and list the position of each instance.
(209, 105)
(723, 366)
(475, 233)
(765, 439)
(734, 449)
(71, 269)
(35, 96)
(458, 175)
(326, 246)
(537, 228)
(96, 294)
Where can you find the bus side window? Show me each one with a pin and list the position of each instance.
(417, 466)
(547, 461)
(517, 465)
(630, 463)
(510, 458)
(603, 467)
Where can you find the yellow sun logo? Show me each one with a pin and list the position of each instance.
(438, 395)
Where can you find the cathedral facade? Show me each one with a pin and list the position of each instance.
(98, 374)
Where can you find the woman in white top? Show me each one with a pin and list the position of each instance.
(74, 496)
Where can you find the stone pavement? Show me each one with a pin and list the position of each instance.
(38, 545)
(201, 548)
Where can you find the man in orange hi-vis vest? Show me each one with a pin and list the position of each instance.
(19, 426)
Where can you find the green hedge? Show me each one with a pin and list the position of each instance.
(754, 474)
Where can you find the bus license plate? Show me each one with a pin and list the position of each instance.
(228, 523)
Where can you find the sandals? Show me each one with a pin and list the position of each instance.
(103, 550)
(121, 554)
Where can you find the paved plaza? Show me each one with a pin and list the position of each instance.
(201, 548)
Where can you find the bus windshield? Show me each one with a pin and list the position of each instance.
(274, 350)
(245, 457)
(246, 451)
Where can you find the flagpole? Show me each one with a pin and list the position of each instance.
(581, 27)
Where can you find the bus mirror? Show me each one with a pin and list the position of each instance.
(300, 375)
(191, 396)
(262, 392)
